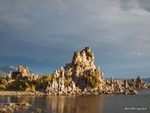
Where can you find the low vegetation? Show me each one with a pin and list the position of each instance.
(23, 85)
(67, 81)
(93, 80)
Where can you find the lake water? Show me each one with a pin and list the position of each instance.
(88, 104)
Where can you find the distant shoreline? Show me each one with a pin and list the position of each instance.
(21, 93)
(41, 94)
(38, 93)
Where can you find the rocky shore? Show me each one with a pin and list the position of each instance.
(41, 94)
(11, 107)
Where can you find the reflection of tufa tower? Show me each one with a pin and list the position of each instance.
(8, 99)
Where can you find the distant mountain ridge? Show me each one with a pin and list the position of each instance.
(4, 71)
(7, 69)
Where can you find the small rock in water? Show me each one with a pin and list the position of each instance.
(133, 92)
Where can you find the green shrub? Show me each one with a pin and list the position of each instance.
(30, 88)
(45, 79)
(15, 86)
(67, 81)
(8, 78)
(39, 86)
(93, 80)
(2, 87)
(3, 81)
(19, 85)
(22, 85)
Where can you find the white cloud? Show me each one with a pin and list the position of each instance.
(145, 38)
(20, 14)
(105, 20)
(13, 14)
(56, 6)
(35, 43)
(135, 53)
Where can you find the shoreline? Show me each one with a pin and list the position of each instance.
(41, 94)
(8, 103)
(12, 107)
(20, 93)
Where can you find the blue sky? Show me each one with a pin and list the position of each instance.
(43, 34)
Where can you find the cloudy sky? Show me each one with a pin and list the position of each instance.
(43, 34)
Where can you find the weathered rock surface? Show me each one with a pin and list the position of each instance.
(82, 64)
(23, 73)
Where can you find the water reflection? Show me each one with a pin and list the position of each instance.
(86, 104)
(65, 104)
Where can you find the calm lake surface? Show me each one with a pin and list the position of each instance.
(87, 104)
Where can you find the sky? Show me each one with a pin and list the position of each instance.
(44, 34)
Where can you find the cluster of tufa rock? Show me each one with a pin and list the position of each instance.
(81, 73)
(137, 83)
(12, 107)
(81, 77)
(23, 74)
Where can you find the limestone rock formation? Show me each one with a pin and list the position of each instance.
(137, 83)
(131, 92)
(81, 66)
(126, 84)
(86, 78)
(82, 77)
(23, 74)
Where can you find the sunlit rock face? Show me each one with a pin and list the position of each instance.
(81, 66)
